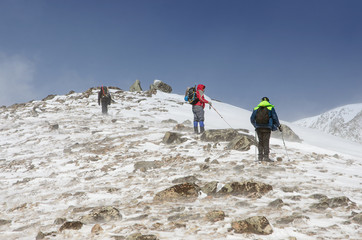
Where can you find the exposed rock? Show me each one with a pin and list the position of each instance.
(219, 135)
(159, 85)
(136, 86)
(241, 143)
(291, 218)
(102, 214)
(184, 217)
(59, 221)
(49, 97)
(288, 134)
(185, 191)
(333, 203)
(145, 165)
(172, 137)
(318, 196)
(216, 215)
(4, 222)
(169, 121)
(278, 203)
(96, 229)
(54, 126)
(257, 225)
(247, 188)
(357, 218)
(188, 179)
(76, 225)
(181, 127)
(139, 236)
(210, 188)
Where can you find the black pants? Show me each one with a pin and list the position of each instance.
(105, 103)
(263, 146)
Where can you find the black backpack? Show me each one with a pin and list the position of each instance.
(262, 115)
(191, 95)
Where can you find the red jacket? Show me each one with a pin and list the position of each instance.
(200, 95)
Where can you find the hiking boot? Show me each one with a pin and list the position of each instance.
(196, 130)
(202, 129)
(266, 159)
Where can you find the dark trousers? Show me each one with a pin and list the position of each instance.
(263, 146)
(104, 102)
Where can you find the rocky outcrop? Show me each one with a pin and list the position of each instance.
(325, 203)
(159, 85)
(288, 134)
(246, 188)
(172, 137)
(76, 225)
(184, 191)
(258, 225)
(219, 135)
(139, 236)
(216, 215)
(136, 86)
(102, 214)
(241, 143)
(146, 165)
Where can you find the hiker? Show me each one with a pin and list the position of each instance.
(264, 118)
(198, 109)
(105, 98)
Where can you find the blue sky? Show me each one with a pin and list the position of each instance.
(306, 56)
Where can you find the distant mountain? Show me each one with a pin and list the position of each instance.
(345, 122)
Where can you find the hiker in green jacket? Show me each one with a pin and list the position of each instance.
(265, 119)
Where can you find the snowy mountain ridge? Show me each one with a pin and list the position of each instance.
(345, 122)
(61, 159)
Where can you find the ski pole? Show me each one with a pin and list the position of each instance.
(285, 147)
(256, 142)
(221, 116)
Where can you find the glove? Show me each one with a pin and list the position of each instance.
(280, 128)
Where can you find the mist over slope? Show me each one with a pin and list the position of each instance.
(345, 122)
(61, 160)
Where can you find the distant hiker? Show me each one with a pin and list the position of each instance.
(198, 106)
(264, 118)
(105, 98)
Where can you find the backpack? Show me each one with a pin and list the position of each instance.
(191, 96)
(262, 115)
(104, 92)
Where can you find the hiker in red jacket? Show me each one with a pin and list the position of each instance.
(198, 109)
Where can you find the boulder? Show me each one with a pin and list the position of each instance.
(258, 225)
(145, 165)
(325, 203)
(102, 214)
(172, 137)
(219, 135)
(246, 188)
(76, 225)
(241, 143)
(159, 85)
(288, 134)
(136, 87)
(216, 215)
(291, 218)
(357, 218)
(184, 191)
(139, 236)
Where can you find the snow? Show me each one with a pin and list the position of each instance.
(89, 162)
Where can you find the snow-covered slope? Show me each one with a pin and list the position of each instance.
(61, 157)
(345, 122)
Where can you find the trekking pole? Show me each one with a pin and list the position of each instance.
(221, 117)
(256, 142)
(285, 147)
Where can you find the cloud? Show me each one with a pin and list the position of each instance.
(16, 79)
